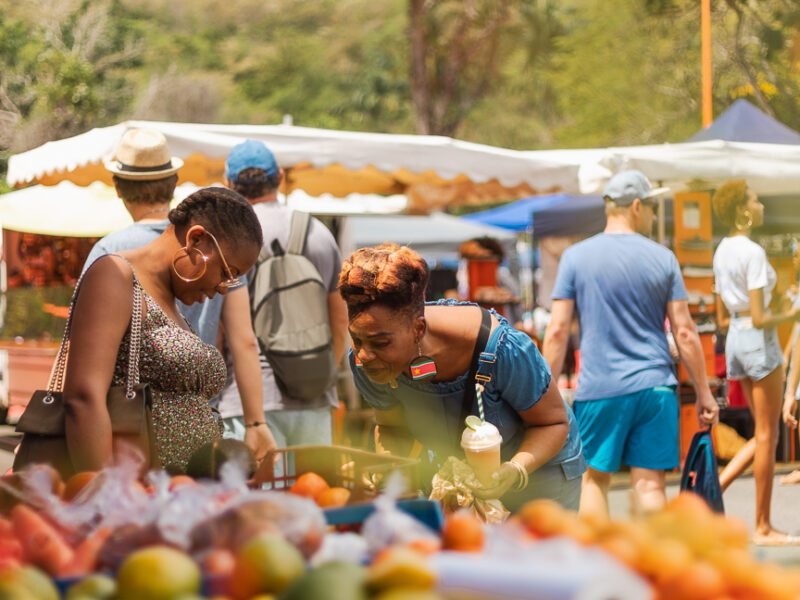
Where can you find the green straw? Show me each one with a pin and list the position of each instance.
(479, 398)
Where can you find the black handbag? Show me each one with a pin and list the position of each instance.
(129, 406)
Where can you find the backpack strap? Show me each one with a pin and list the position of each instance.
(297, 232)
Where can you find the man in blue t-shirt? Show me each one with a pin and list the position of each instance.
(623, 286)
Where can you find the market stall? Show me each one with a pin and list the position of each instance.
(343, 529)
(432, 170)
(47, 233)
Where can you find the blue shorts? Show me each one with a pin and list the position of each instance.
(749, 352)
(638, 430)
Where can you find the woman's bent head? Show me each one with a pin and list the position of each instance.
(384, 289)
(219, 238)
(392, 275)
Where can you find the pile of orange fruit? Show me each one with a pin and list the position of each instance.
(314, 487)
(685, 551)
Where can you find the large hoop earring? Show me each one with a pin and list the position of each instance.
(186, 252)
(422, 367)
(744, 227)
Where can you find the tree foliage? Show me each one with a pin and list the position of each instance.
(514, 73)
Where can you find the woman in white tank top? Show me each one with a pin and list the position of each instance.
(744, 284)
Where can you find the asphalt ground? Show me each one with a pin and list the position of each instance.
(739, 502)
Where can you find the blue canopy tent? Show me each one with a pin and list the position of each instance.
(552, 215)
(743, 122)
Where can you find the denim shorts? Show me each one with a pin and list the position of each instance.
(638, 429)
(749, 352)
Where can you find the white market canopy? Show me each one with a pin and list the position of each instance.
(64, 210)
(67, 209)
(373, 162)
(770, 169)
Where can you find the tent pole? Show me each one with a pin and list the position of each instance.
(706, 61)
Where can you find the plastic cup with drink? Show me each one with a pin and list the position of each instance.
(481, 442)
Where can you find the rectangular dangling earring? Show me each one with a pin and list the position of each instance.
(422, 367)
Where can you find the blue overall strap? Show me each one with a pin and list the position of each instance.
(480, 346)
(486, 362)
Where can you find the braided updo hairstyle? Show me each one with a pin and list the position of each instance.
(223, 212)
(391, 275)
(728, 197)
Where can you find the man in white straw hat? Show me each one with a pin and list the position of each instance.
(142, 155)
(623, 287)
(145, 176)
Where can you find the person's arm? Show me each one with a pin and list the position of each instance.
(556, 337)
(241, 341)
(100, 317)
(790, 397)
(547, 428)
(546, 431)
(723, 316)
(337, 314)
(787, 349)
(762, 318)
(685, 333)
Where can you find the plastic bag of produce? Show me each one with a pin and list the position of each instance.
(297, 519)
(390, 526)
(453, 486)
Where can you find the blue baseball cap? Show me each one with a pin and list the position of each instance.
(626, 186)
(250, 154)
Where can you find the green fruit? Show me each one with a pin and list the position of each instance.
(406, 593)
(266, 564)
(331, 581)
(24, 583)
(206, 461)
(97, 587)
(157, 573)
(401, 568)
(473, 422)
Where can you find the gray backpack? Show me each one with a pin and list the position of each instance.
(289, 305)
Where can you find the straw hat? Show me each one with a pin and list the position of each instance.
(142, 155)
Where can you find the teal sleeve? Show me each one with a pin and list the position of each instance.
(522, 376)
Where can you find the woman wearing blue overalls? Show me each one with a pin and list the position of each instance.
(415, 362)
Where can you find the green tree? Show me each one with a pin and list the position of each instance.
(461, 53)
(64, 66)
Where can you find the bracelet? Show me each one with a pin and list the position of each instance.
(254, 424)
(522, 472)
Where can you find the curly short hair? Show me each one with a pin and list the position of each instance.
(728, 197)
(156, 191)
(222, 211)
(388, 274)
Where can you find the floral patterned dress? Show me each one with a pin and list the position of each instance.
(184, 373)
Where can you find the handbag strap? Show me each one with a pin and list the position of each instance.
(56, 383)
(480, 346)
